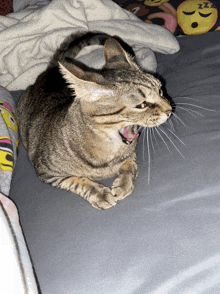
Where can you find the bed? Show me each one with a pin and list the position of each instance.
(165, 237)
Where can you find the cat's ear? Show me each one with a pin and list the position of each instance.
(89, 85)
(115, 56)
(78, 72)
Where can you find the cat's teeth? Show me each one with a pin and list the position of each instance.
(135, 129)
(129, 134)
(139, 129)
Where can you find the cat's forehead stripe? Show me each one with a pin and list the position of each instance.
(106, 114)
(142, 93)
(147, 82)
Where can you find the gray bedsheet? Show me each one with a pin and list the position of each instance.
(165, 238)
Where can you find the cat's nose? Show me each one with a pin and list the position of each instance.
(166, 107)
(168, 112)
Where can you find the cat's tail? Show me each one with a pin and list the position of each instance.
(74, 43)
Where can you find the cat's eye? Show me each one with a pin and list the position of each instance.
(145, 104)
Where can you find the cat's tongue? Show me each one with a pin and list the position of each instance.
(128, 134)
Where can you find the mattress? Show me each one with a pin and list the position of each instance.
(165, 237)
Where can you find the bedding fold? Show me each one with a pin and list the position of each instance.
(16, 270)
(30, 37)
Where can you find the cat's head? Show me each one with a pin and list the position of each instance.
(118, 98)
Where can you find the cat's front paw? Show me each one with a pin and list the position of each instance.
(103, 199)
(122, 186)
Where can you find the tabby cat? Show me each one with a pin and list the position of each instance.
(81, 124)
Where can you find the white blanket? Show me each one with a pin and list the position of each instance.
(16, 270)
(29, 38)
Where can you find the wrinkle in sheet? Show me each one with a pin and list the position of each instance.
(195, 195)
(209, 267)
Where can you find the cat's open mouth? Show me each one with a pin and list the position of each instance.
(129, 134)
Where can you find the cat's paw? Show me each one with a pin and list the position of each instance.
(122, 186)
(103, 199)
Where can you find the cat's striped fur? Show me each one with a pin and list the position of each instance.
(80, 124)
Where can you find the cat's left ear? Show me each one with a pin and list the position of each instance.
(115, 56)
(86, 84)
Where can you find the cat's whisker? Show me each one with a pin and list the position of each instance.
(152, 144)
(162, 138)
(171, 141)
(191, 111)
(144, 134)
(171, 125)
(149, 158)
(153, 132)
(184, 97)
(177, 117)
(175, 136)
(197, 106)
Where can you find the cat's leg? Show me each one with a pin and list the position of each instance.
(97, 195)
(123, 184)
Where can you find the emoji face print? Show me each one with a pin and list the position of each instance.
(154, 2)
(138, 9)
(6, 154)
(8, 115)
(196, 16)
